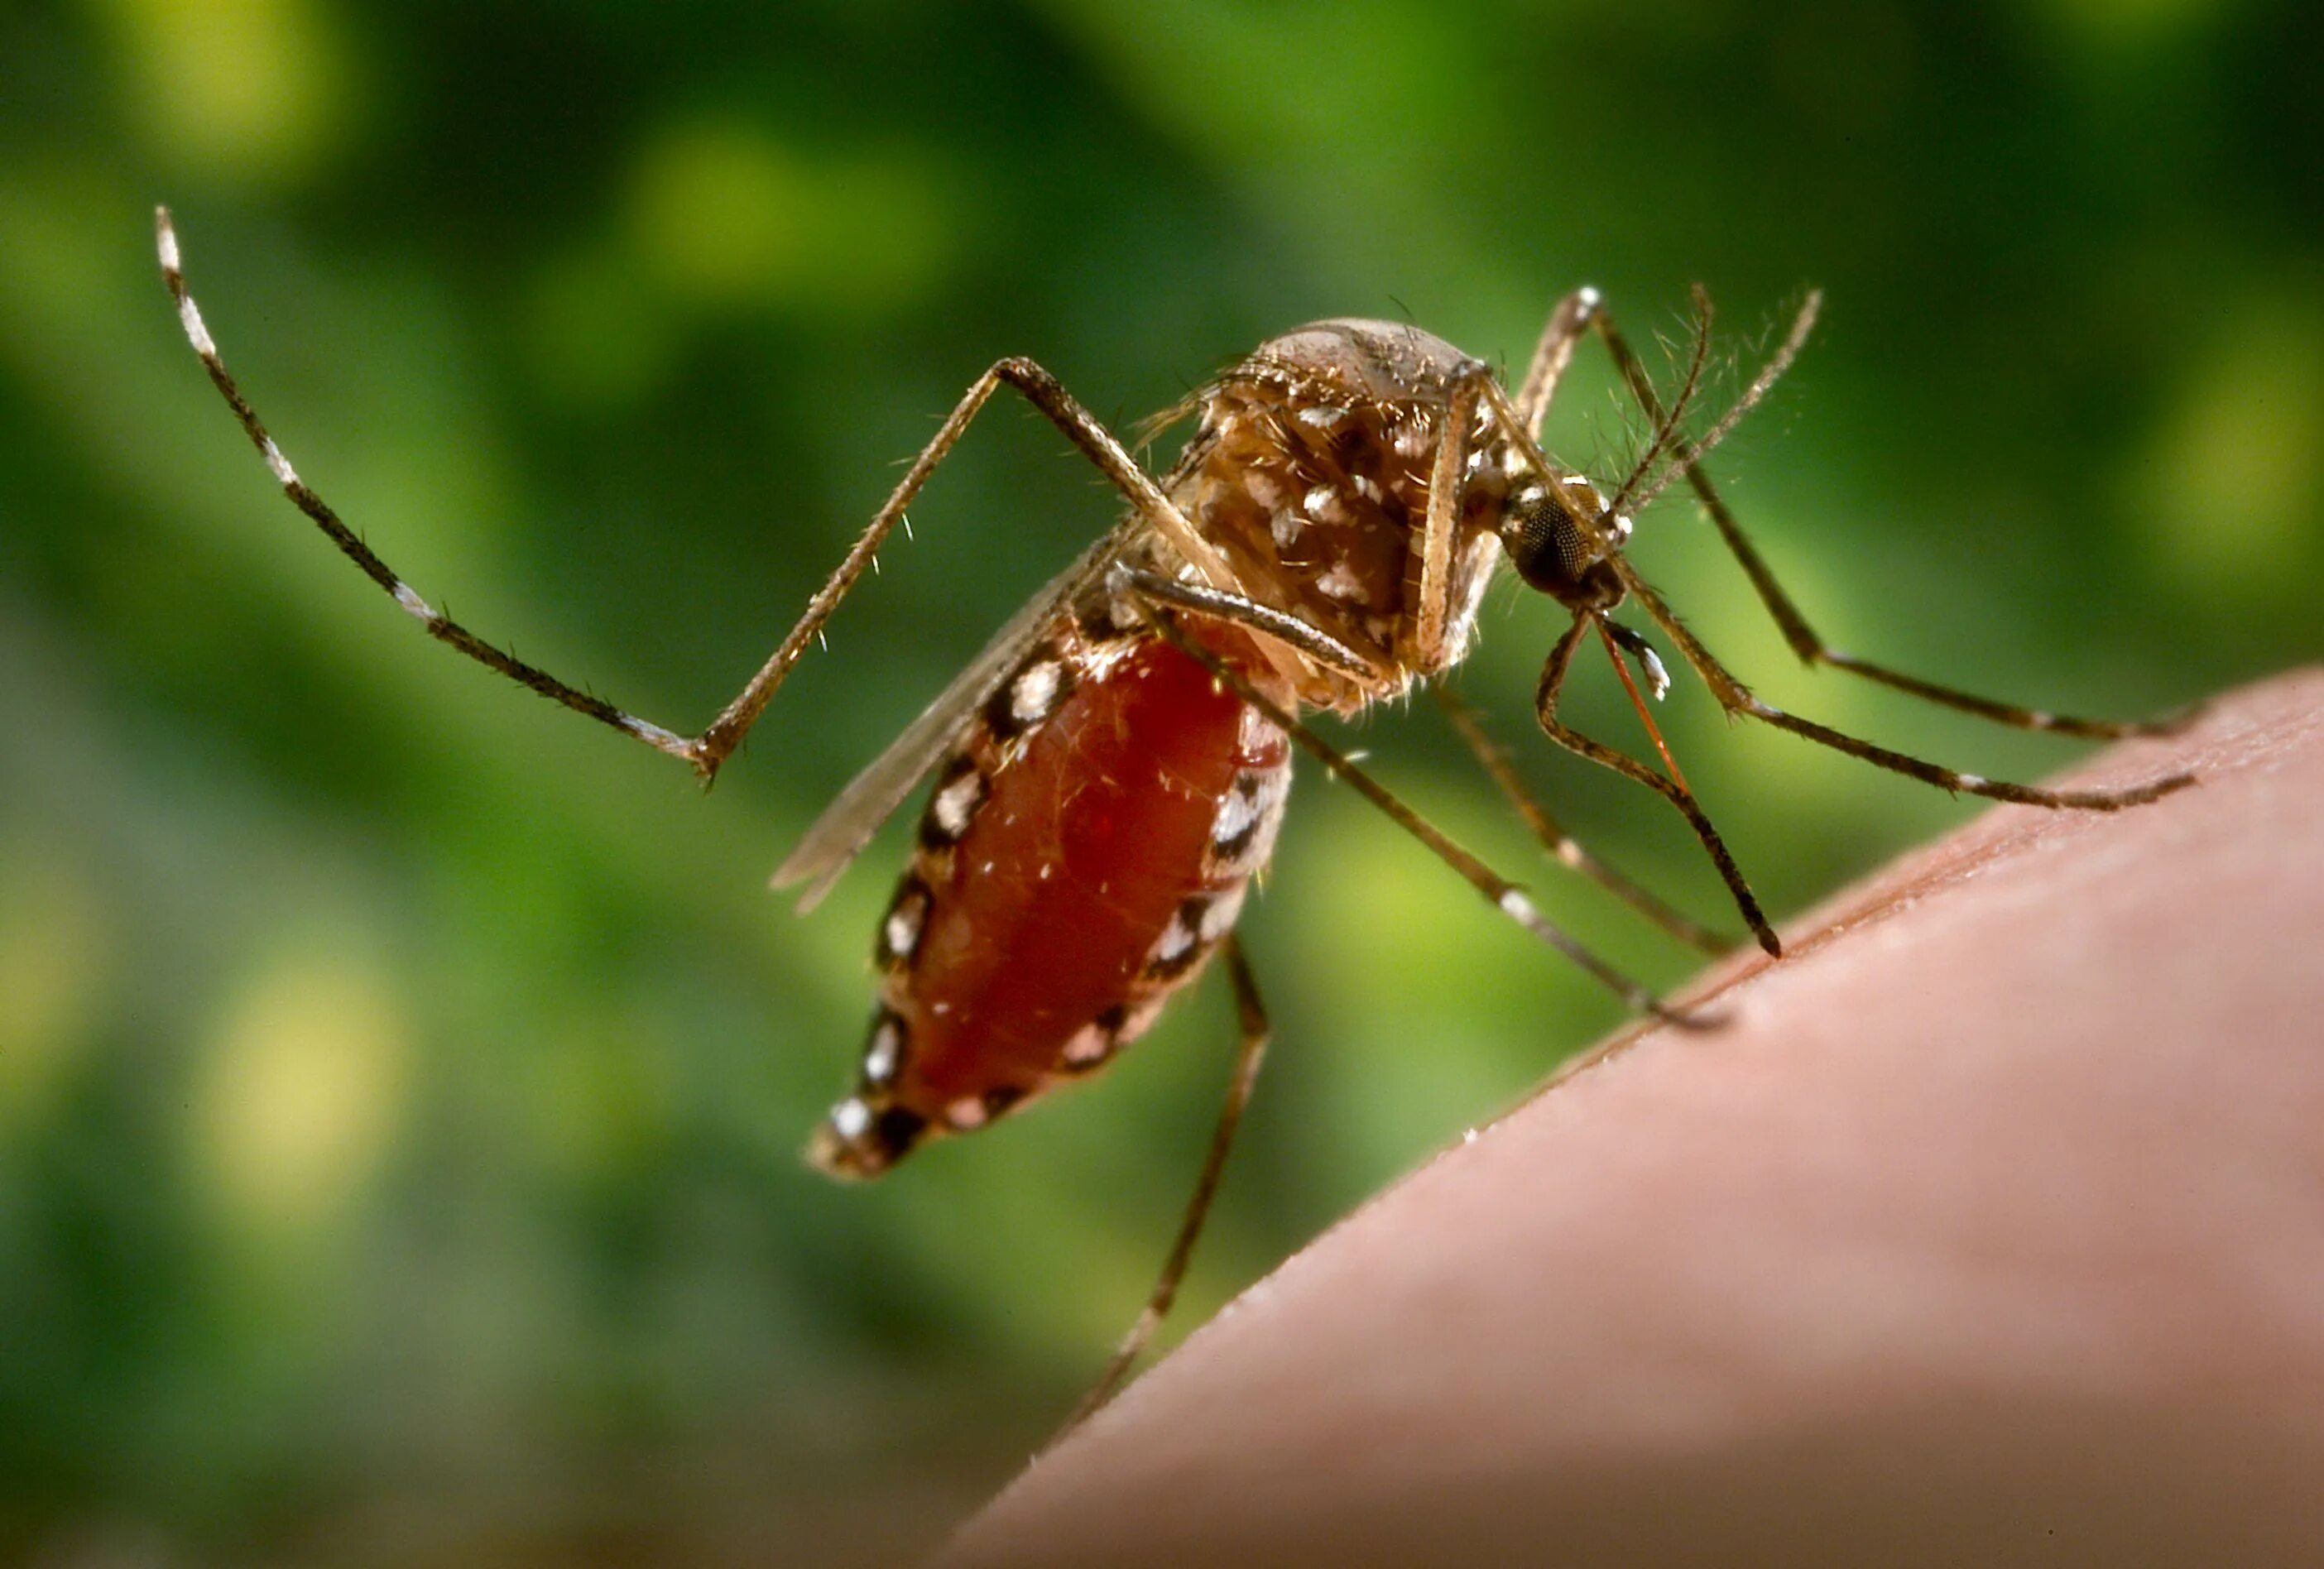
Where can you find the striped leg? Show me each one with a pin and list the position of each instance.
(709, 750)
(1553, 679)
(1736, 698)
(1551, 354)
(1251, 1018)
(1810, 649)
(1569, 851)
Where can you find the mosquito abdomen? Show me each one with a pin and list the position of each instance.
(1082, 855)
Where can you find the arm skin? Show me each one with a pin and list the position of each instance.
(1990, 1231)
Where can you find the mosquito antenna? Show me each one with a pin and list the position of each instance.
(1666, 432)
(1638, 701)
(1691, 455)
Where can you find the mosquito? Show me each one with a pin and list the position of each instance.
(1111, 772)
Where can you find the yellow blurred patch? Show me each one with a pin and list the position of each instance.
(54, 946)
(722, 214)
(2102, 29)
(2235, 477)
(302, 1089)
(249, 91)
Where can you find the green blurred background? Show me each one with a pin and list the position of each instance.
(401, 1079)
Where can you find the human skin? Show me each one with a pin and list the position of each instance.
(1989, 1229)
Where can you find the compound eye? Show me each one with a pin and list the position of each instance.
(1545, 542)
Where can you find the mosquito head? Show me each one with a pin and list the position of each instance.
(1552, 534)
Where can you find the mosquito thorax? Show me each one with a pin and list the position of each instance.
(1310, 474)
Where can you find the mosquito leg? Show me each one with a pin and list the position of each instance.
(1082, 428)
(1805, 642)
(711, 749)
(1422, 643)
(439, 625)
(1250, 1022)
(1504, 896)
(1551, 354)
(1735, 698)
(1495, 759)
(1946, 778)
(1552, 679)
(1315, 643)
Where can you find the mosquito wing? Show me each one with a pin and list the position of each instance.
(847, 825)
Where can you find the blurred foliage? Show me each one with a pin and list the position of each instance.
(400, 1079)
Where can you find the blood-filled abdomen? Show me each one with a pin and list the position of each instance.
(1083, 852)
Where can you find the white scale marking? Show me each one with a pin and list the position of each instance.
(903, 928)
(1657, 678)
(968, 1111)
(1257, 731)
(191, 316)
(1237, 813)
(1265, 806)
(850, 1118)
(1341, 583)
(880, 1058)
(1036, 692)
(1088, 1045)
(284, 474)
(1323, 505)
(416, 607)
(956, 803)
(169, 243)
(1219, 917)
(1175, 941)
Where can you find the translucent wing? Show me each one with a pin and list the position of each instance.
(848, 823)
